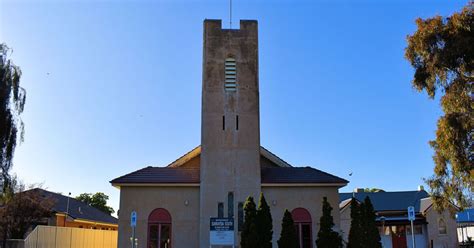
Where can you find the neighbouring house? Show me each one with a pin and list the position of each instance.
(174, 204)
(465, 220)
(69, 212)
(431, 228)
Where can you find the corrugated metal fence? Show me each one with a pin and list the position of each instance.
(67, 237)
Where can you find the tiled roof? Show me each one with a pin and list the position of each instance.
(390, 201)
(160, 175)
(298, 175)
(77, 209)
(169, 175)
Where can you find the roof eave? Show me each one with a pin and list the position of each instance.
(118, 185)
(304, 184)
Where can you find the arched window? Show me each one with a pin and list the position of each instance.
(442, 227)
(302, 219)
(159, 229)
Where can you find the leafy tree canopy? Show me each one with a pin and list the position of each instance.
(21, 210)
(12, 102)
(373, 190)
(327, 237)
(442, 52)
(97, 200)
(264, 223)
(288, 236)
(249, 235)
(356, 232)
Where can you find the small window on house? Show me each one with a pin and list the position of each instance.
(240, 221)
(442, 227)
(223, 122)
(230, 75)
(236, 122)
(220, 210)
(230, 205)
(418, 229)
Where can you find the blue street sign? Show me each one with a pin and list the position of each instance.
(411, 213)
(133, 219)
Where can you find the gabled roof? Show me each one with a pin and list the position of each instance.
(197, 151)
(390, 201)
(191, 176)
(77, 209)
(185, 171)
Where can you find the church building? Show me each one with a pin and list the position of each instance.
(174, 204)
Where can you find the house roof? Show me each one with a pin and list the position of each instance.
(164, 175)
(186, 170)
(298, 175)
(273, 175)
(197, 151)
(390, 201)
(77, 209)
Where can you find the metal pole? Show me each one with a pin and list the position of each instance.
(412, 235)
(67, 209)
(133, 237)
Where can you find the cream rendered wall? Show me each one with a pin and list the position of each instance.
(448, 240)
(185, 219)
(310, 198)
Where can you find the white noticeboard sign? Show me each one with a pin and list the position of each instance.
(222, 231)
(133, 219)
(411, 213)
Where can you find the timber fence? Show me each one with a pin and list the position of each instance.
(68, 237)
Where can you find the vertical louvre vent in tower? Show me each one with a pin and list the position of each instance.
(230, 75)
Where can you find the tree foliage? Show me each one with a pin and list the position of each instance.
(364, 231)
(327, 237)
(371, 235)
(442, 52)
(249, 235)
(12, 101)
(22, 210)
(288, 236)
(264, 223)
(373, 190)
(97, 200)
(356, 232)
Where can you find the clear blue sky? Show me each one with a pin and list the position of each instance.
(114, 86)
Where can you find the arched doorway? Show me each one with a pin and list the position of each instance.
(302, 219)
(159, 229)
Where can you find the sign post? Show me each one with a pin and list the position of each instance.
(133, 224)
(222, 231)
(411, 218)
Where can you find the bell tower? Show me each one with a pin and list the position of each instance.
(230, 122)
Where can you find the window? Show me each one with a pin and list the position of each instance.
(236, 122)
(442, 227)
(159, 229)
(230, 75)
(220, 210)
(223, 122)
(418, 229)
(230, 205)
(240, 210)
(302, 219)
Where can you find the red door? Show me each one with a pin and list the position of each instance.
(399, 238)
